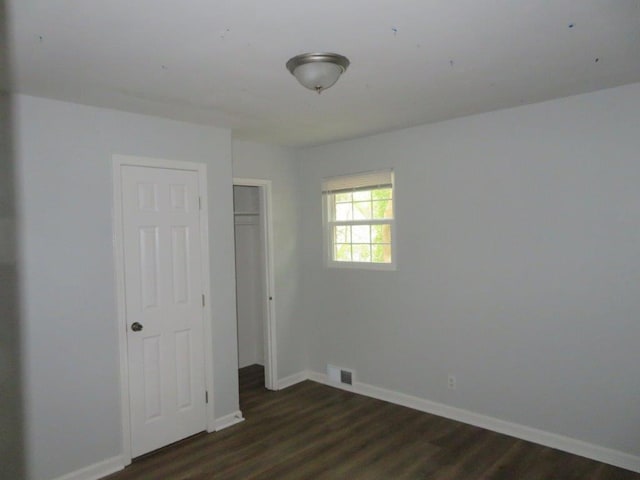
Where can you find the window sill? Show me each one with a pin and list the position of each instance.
(360, 266)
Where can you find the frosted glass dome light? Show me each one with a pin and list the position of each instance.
(317, 71)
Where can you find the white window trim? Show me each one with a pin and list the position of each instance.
(327, 242)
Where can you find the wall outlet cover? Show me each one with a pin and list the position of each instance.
(333, 373)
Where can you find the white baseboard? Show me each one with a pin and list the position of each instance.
(287, 382)
(228, 420)
(97, 470)
(541, 437)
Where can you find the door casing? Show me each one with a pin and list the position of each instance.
(118, 240)
(269, 327)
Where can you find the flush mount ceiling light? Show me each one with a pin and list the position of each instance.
(317, 71)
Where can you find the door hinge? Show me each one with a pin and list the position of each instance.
(203, 299)
(206, 396)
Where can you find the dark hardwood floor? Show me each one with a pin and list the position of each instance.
(312, 431)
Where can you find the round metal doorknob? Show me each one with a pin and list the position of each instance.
(136, 327)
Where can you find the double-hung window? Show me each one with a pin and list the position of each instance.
(359, 220)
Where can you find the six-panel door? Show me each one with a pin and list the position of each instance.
(163, 291)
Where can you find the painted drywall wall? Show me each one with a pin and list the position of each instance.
(11, 436)
(64, 154)
(250, 288)
(11, 425)
(518, 266)
(278, 164)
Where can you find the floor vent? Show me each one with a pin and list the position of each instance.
(341, 375)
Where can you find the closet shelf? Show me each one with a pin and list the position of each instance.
(246, 213)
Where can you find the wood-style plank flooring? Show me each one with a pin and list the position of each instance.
(312, 431)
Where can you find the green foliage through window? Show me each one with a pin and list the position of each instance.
(360, 225)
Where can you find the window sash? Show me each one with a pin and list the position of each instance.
(332, 243)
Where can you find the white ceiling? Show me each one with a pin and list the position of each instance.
(412, 61)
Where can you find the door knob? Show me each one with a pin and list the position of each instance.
(136, 327)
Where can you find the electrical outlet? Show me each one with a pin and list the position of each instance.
(451, 383)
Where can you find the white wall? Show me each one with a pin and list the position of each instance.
(11, 447)
(255, 160)
(64, 156)
(250, 288)
(518, 234)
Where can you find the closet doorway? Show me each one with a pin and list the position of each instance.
(254, 277)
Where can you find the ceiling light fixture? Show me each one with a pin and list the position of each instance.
(317, 71)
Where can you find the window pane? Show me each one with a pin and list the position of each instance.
(343, 252)
(387, 253)
(362, 195)
(361, 233)
(381, 253)
(377, 253)
(380, 233)
(343, 211)
(382, 209)
(362, 210)
(381, 193)
(342, 234)
(362, 253)
(343, 197)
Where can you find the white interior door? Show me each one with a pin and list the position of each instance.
(164, 306)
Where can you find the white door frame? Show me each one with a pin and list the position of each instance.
(269, 327)
(120, 161)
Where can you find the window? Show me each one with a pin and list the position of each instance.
(359, 220)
